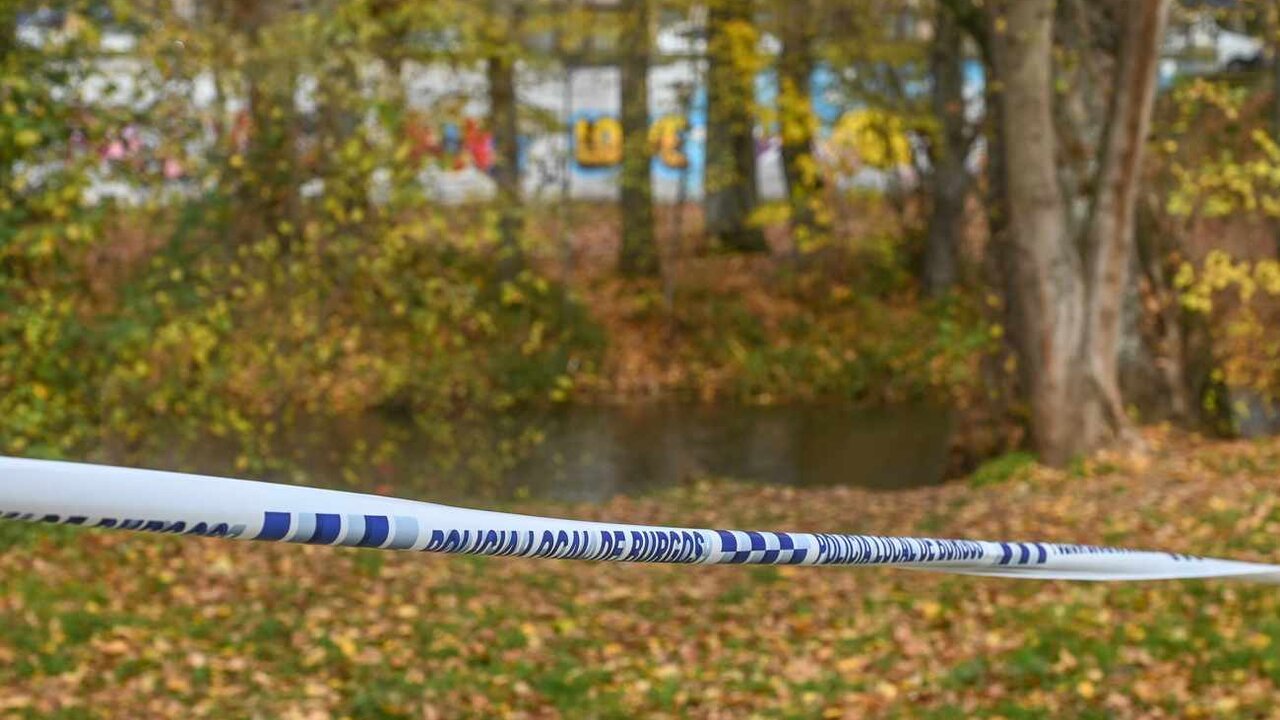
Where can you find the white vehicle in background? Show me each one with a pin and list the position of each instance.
(1237, 51)
(1202, 46)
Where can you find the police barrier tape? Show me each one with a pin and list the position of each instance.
(183, 504)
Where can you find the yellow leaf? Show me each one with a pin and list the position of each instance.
(26, 138)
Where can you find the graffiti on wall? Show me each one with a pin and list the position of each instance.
(598, 141)
(667, 137)
(449, 144)
(858, 138)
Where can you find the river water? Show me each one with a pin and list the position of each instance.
(592, 453)
(589, 453)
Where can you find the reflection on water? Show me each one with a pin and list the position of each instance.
(591, 453)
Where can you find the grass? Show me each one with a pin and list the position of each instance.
(99, 624)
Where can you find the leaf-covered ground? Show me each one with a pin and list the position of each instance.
(96, 624)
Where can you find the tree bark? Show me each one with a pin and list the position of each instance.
(500, 71)
(1070, 292)
(1000, 250)
(1273, 27)
(339, 122)
(810, 224)
(8, 30)
(1047, 271)
(949, 177)
(730, 182)
(1154, 243)
(1109, 243)
(639, 252)
(268, 189)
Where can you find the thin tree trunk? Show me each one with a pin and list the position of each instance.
(1273, 27)
(980, 25)
(730, 182)
(8, 49)
(501, 76)
(563, 228)
(809, 221)
(338, 123)
(1152, 245)
(997, 180)
(639, 253)
(950, 179)
(269, 191)
(8, 30)
(1110, 236)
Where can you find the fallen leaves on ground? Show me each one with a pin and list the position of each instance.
(98, 624)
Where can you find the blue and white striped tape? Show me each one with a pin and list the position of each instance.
(178, 503)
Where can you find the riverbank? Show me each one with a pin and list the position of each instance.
(172, 333)
(843, 322)
(160, 626)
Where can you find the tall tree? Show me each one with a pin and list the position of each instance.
(809, 220)
(730, 183)
(949, 178)
(639, 253)
(1273, 31)
(8, 31)
(1071, 288)
(268, 185)
(338, 99)
(983, 27)
(500, 71)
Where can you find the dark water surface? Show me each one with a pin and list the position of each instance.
(591, 453)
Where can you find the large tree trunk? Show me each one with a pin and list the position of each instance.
(500, 71)
(950, 178)
(810, 222)
(1071, 296)
(639, 253)
(1047, 271)
(730, 182)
